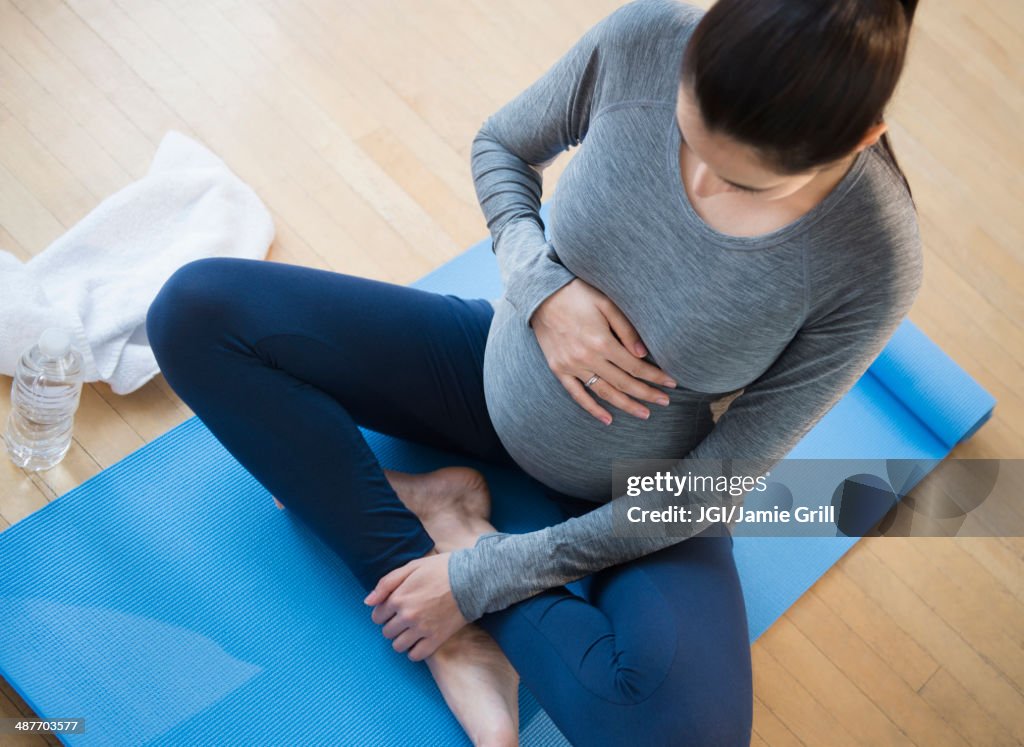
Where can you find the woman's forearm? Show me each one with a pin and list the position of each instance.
(502, 569)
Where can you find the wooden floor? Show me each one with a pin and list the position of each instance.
(353, 120)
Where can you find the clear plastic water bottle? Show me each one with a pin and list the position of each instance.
(45, 394)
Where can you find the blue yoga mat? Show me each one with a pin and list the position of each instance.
(168, 602)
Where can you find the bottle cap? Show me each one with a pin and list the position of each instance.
(54, 342)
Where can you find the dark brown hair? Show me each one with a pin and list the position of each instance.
(800, 81)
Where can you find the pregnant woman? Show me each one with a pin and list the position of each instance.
(736, 222)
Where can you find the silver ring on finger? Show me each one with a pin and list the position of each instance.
(591, 381)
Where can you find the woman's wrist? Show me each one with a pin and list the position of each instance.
(470, 579)
(460, 579)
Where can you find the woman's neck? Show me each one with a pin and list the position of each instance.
(824, 182)
(738, 214)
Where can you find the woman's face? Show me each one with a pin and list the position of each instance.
(724, 165)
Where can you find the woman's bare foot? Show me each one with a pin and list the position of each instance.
(477, 680)
(453, 503)
(480, 686)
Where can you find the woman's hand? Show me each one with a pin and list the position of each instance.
(415, 605)
(576, 327)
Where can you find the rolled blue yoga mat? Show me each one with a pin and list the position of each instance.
(168, 602)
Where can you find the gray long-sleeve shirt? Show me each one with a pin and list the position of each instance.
(793, 317)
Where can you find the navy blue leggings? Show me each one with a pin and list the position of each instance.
(283, 362)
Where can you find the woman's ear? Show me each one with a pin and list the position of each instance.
(871, 136)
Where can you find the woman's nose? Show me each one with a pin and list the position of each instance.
(706, 184)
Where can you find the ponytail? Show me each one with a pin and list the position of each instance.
(909, 8)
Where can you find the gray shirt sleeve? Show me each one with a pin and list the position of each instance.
(820, 365)
(508, 155)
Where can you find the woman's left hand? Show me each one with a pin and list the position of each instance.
(415, 605)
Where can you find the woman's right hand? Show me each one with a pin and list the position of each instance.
(583, 333)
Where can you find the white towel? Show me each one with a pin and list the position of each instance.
(99, 278)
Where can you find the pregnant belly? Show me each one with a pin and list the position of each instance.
(555, 440)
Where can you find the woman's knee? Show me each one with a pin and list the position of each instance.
(680, 721)
(716, 712)
(728, 726)
(190, 303)
(669, 719)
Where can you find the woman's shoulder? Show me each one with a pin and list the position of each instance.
(870, 244)
(647, 21)
(660, 12)
(877, 213)
(641, 44)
